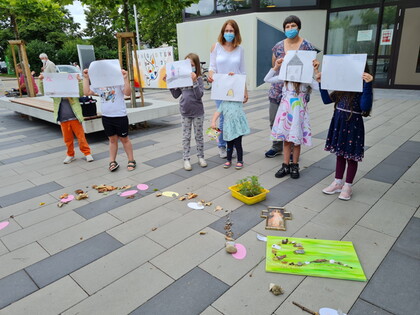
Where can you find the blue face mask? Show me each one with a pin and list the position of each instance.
(193, 69)
(229, 37)
(291, 33)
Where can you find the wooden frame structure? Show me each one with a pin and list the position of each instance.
(130, 39)
(23, 59)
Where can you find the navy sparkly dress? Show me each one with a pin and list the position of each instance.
(346, 136)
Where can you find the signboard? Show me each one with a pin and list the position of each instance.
(364, 36)
(386, 37)
(86, 56)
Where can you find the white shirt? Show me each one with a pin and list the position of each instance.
(112, 101)
(223, 61)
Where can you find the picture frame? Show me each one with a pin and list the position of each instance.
(276, 218)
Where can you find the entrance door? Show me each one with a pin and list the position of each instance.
(408, 62)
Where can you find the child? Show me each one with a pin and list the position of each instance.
(114, 118)
(346, 135)
(192, 113)
(68, 113)
(291, 124)
(234, 127)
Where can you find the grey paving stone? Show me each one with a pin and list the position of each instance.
(244, 218)
(29, 193)
(164, 181)
(321, 135)
(409, 241)
(100, 206)
(25, 157)
(15, 287)
(284, 192)
(65, 262)
(327, 163)
(386, 173)
(312, 175)
(362, 307)
(165, 159)
(401, 158)
(191, 294)
(410, 146)
(143, 144)
(396, 283)
(197, 169)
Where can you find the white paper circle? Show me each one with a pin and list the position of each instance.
(328, 311)
(195, 206)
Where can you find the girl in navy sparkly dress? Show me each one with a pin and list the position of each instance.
(346, 136)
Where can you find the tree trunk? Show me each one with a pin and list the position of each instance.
(125, 10)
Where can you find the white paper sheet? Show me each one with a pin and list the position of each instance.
(61, 85)
(104, 73)
(343, 72)
(178, 74)
(297, 66)
(228, 87)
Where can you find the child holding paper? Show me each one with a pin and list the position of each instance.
(114, 118)
(346, 135)
(192, 113)
(234, 127)
(291, 124)
(68, 114)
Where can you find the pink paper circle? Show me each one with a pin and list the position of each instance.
(128, 193)
(68, 199)
(241, 253)
(4, 224)
(142, 187)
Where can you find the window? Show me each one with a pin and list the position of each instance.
(202, 8)
(232, 5)
(352, 32)
(286, 3)
(350, 3)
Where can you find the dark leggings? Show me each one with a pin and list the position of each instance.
(341, 167)
(237, 142)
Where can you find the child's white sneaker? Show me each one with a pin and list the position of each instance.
(335, 187)
(345, 192)
(222, 152)
(68, 159)
(187, 165)
(202, 162)
(89, 158)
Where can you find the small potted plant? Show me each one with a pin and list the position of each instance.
(248, 190)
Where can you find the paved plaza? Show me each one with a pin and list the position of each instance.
(145, 255)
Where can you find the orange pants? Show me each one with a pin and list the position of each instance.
(70, 127)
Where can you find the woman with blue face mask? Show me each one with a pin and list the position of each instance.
(227, 57)
(291, 28)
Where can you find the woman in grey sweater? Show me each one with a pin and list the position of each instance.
(192, 112)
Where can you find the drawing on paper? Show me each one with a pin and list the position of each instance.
(178, 74)
(294, 69)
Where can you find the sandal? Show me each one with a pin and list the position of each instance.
(113, 166)
(239, 166)
(227, 164)
(131, 166)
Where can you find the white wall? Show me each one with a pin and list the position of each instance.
(198, 36)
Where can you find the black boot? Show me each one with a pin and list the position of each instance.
(294, 170)
(285, 170)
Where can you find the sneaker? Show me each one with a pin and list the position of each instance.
(335, 187)
(294, 170)
(271, 153)
(285, 170)
(346, 192)
(187, 165)
(239, 166)
(222, 152)
(227, 164)
(89, 158)
(68, 159)
(202, 162)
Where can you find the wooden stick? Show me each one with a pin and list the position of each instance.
(305, 309)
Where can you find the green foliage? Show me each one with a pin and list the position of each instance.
(103, 52)
(34, 48)
(68, 53)
(101, 27)
(249, 186)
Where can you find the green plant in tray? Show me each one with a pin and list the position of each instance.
(249, 186)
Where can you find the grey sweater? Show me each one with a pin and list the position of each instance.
(190, 104)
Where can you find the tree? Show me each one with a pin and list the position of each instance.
(100, 26)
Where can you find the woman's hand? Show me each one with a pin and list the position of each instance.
(367, 77)
(194, 76)
(277, 64)
(210, 76)
(245, 96)
(41, 77)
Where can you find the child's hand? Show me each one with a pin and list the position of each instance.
(315, 64)
(367, 77)
(124, 73)
(86, 74)
(277, 64)
(318, 77)
(213, 126)
(231, 73)
(78, 77)
(194, 76)
(164, 78)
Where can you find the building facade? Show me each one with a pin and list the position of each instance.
(388, 31)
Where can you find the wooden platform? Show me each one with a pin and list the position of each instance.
(42, 108)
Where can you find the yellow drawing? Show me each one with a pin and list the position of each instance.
(230, 92)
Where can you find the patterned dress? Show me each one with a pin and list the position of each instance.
(346, 136)
(292, 119)
(235, 124)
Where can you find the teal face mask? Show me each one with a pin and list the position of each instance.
(291, 33)
(193, 69)
(229, 37)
